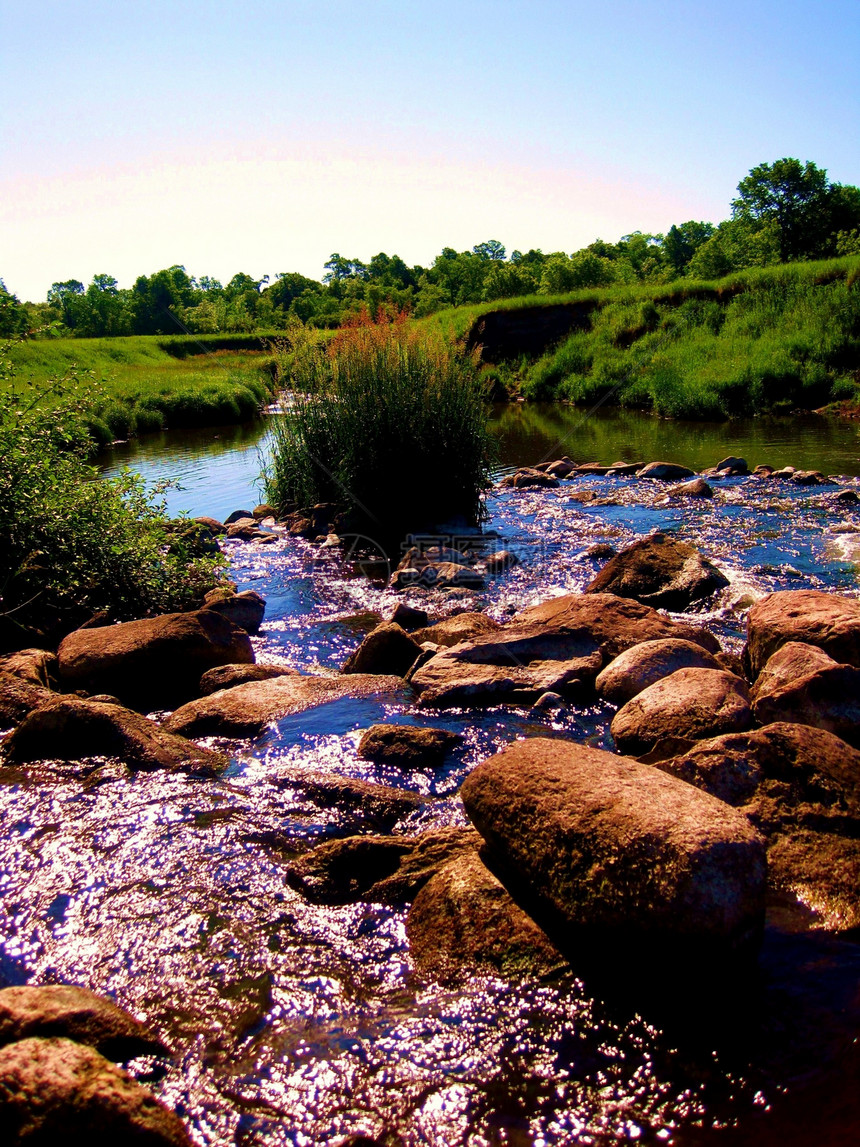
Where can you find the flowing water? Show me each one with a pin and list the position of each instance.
(296, 1024)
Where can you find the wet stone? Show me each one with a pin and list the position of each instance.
(407, 746)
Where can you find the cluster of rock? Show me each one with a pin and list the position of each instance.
(59, 1083)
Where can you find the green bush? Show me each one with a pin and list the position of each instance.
(73, 543)
(388, 422)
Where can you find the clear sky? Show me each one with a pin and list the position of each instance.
(263, 135)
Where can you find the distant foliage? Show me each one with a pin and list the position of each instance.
(386, 422)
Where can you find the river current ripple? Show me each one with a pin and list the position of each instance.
(296, 1024)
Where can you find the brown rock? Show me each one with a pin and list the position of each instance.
(791, 661)
(19, 697)
(828, 620)
(453, 630)
(644, 664)
(407, 746)
(366, 805)
(823, 871)
(408, 617)
(697, 488)
(619, 848)
(228, 676)
(691, 704)
(152, 663)
(239, 516)
(464, 921)
(733, 465)
(246, 710)
(70, 728)
(386, 649)
(36, 666)
(665, 472)
(500, 561)
(245, 529)
(55, 1091)
(76, 1014)
(212, 525)
(528, 476)
(245, 609)
(264, 510)
(380, 869)
(827, 697)
(659, 571)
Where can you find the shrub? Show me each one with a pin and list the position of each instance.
(387, 421)
(73, 543)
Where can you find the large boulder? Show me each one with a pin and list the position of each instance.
(665, 472)
(826, 694)
(645, 664)
(690, 705)
(153, 663)
(453, 630)
(246, 609)
(386, 649)
(56, 1091)
(228, 676)
(36, 666)
(77, 1014)
(407, 746)
(619, 849)
(69, 729)
(246, 710)
(804, 765)
(380, 869)
(659, 571)
(18, 697)
(558, 646)
(828, 620)
(464, 921)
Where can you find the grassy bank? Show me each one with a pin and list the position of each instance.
(147, 383)
(763, 340)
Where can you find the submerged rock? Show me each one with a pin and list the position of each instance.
(828, 620)
(57, 1091)
(464, 921)
(246, 710)
(659, 571)
(645, 664)
(689, 705)
(386, 649)
(407, 746)
(70, 728)
(77, 1014)
(380, 869)
(619, 850)
(156, 662)
(500, 561)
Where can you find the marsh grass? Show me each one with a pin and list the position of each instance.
(390, 423)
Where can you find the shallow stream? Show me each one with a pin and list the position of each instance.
(295, 1024)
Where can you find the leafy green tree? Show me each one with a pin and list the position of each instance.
(790, 195)
(492, 249)
(13, 316)
(682, 241)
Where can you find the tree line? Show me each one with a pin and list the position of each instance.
(784, 211)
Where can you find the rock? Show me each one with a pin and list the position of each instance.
(36, 666)
(367, 805)
(451, 575)
(529, 476)
(246, 710)
(264, 510)
(464, 921)
(619, 850)
(500, 561)
(843, 498)
(228, 676)
(809, 478)
(665, 472)
(69, 729)
(245, 609)
(460, 627)
(697, 488)
(826, 696)
(659, 571)
(55, 1091)
(821, 870)
(408, 617)
(407, 746)
(214, 527)
(763, 472)
(560, 469)
(783, 475)
(245, 530)
(238, 516)
(302, 528)
(733, 465)
(805, 764)
(690, 705)
(19, 697)
(386, 649)
(380, 869)
(548, 702)
(828, 620)
(644, 664)
(76, 1014)
(157, 662)
(600, 551)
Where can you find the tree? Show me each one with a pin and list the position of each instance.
(682, 241)
(791, 195)
(13, 317)
(492, 249)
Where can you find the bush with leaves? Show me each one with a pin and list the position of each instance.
(75, 544)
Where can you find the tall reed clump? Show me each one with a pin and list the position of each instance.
(389, 423)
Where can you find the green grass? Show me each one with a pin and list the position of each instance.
(390, 424)
(147, 383)
(763, 340)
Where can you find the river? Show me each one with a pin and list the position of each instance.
(295, 1024)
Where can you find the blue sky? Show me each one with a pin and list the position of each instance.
(263, 136)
